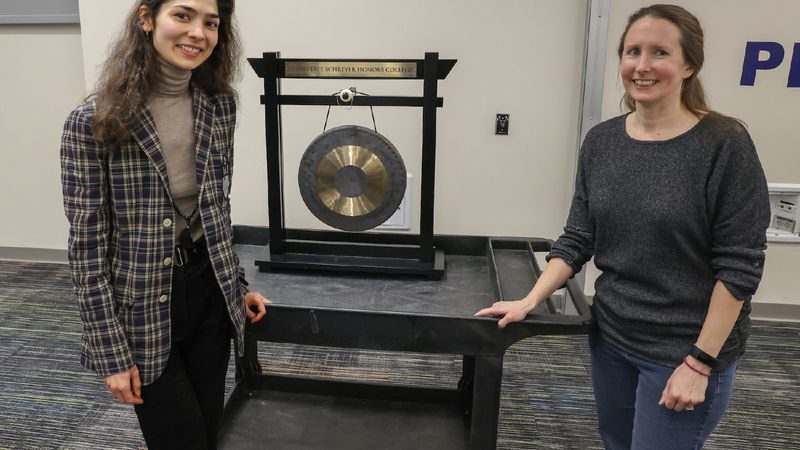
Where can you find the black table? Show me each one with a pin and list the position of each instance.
(400, 314)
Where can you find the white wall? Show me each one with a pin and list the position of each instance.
(42, 81)
(521, 57)
(486, 184)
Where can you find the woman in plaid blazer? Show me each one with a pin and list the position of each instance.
(158, 311)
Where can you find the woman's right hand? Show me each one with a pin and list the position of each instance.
(126, 386)
(511, 311)
(555, 274)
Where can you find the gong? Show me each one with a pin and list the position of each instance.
(352, 178)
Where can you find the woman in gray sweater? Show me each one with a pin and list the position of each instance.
(672, 203)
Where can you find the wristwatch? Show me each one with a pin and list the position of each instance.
(698, 354)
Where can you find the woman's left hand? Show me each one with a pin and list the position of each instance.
(257, 300)
(685, 388)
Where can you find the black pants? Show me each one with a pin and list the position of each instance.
(182, 409)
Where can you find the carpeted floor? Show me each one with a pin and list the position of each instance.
(48, 401)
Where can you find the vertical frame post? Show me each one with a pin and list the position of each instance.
(429, 93)
(272, 118)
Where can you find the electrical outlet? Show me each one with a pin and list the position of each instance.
(783, 224)
(784, 200)
(783, 205)
(401, 219)
(501, 124)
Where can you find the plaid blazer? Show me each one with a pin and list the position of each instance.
(121, 237)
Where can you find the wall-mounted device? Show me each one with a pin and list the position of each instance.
(501, 124)
(784, 205)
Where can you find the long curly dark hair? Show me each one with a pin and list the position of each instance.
(124, 86)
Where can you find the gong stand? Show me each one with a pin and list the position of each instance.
(375, 252)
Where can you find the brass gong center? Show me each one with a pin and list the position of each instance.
(351, 180)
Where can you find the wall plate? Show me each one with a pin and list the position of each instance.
(784, 206)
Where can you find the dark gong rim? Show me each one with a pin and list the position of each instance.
(369, 181)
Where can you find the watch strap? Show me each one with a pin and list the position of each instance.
(698, 354)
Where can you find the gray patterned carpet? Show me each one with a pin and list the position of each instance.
(48, 401)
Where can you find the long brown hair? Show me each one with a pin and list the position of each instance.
(693, 97)
(124, 85)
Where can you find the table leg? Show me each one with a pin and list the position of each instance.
(486, 402)
(466, 383)
(247, 366)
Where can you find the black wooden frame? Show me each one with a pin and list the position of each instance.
(377, 252)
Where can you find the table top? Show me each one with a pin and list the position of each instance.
(465, 288)
(406, 313)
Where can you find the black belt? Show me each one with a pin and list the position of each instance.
(184, 256)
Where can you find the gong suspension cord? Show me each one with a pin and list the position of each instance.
(352, 102)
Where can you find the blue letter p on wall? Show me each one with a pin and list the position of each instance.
(752, 63)
(774, 52)
(794, 70)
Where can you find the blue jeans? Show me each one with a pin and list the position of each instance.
(627, 390)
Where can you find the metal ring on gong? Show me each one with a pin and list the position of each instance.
(352, 178)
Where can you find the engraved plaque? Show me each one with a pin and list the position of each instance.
(350, 69)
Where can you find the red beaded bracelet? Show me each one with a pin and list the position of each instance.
(695, 369)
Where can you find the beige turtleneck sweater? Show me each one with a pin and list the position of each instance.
(170, 103)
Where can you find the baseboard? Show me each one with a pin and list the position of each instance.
(250, 235)
(775, 312)
(46, 255)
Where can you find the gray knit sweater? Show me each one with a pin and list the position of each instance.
(664, 220)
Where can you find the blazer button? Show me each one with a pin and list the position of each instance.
(162, 299)
(167, 222)
(168, 262)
